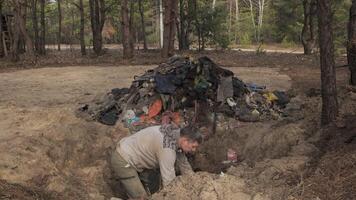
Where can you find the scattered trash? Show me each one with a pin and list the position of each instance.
(231, 102)
(185, 91)
(254, 87)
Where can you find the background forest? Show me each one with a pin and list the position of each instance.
(200, 23)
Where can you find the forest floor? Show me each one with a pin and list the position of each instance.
(48, 153)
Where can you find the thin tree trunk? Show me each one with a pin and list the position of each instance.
(131, 27)
(308, 39)
(197, 25)
(97, 18)
(180, 24)
(59, 24)
(82, 23)
(1, 22)
(328, 78)
(253, 20)
(157, 23)
(161, 27)
(126, 32)
(183, 26)
(170, 14)
(260, 18)
(15, 45)
(214, 3)
(237, 23)
(43, 29)
(230, 20)
(143, 29)
(35, 25)
(72, 31)
(351, 47)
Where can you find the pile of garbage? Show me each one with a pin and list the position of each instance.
(185, 91)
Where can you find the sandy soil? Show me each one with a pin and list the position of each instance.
(44, 144)
(48, 153)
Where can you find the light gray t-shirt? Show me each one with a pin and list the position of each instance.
(150, 148)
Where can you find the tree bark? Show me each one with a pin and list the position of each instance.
(170, 14)
(126, 32)
(237, 23)
(230, 20)
(160, 23)
(308, 39)
(253, 21)
(1, 22)
(35, 25)
(43, 29)
(133, 36)
(351, 47)
(143, 27)
(82, 23)
(197, 25)
(97, 18)
(184, 24)
(328, 78)
(59, 24)
(15, 45)
(20, 15)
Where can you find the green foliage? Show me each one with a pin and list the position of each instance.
(341, 17)
(211, 25)
(282, 22)
(288, 43)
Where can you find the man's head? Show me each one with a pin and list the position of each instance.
(189, 139)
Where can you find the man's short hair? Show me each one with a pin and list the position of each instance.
(191, 133)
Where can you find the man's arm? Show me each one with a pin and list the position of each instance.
(167, 158)
(183, 164)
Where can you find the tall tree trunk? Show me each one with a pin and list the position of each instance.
(82, 22)
(253, 20)
(97, 18)
(1, 22)
(308, 39)
(72, 31)
(161, 26)
(185, 9)
(157, 23)
(15, 45)
(197, 25)
(170, 14)
(237, 23)
(20, 15)
(59, 24)
(35, 25)
(230, 20)
(328, 78)
(351, 47)
(43, 29)
(126, 32)
(131, 23)
(143, 29)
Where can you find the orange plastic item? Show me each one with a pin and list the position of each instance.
(155, 108)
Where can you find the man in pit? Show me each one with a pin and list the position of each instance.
(156, 147)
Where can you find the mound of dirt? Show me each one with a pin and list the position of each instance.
(206, 186)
